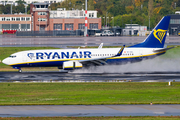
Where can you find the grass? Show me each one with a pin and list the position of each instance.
(172, 53)
(88, 93)
(96, 118)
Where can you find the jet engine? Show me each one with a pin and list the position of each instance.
(71, 65)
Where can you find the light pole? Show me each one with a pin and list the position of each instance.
(117, 22)
(175, 5)
(11, 7)
(113, 21)
(26, 17)
(149, 23)
(104, 21)
(69, 5)
(108, 22)
(101, 19)
(131, 27)
(11, 18)
(26, 14)
(39, 24)
(82, 5)
(122, 23)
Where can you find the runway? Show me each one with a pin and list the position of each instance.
(89, 110)
(63, 42)
(89, 77)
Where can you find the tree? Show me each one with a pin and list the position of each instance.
(7, 9)
(54, 6)
(138, 3)
(20, 2)
(19, 9)
(129, 9)
(2, 9)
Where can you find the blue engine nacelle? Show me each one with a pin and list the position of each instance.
(71, 65)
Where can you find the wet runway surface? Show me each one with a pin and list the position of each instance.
(89, 77)
(63, 42)
(89, 110)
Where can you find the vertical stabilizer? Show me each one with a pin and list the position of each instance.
(157, 37)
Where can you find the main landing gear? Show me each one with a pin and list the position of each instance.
(20, 71)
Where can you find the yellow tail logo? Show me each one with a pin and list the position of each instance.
(159, 34)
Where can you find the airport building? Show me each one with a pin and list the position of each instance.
(63, 13)
(43, 19)
(134, 29)
(174, 26)
(20, 22)
(63, 19)
(6, 2)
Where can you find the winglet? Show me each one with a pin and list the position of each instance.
(100, 46)
(120, 51)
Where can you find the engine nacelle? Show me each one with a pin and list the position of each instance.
(71, 65)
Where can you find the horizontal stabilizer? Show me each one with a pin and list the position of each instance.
(163, 49)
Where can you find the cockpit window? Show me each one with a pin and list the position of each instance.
(12, 56)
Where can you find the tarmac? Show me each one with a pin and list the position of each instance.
(89, 110)
(63, 42)
(49, 76)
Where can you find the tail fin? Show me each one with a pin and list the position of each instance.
(158, 36)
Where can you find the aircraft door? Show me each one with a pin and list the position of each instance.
(24, 58)
(33, 57)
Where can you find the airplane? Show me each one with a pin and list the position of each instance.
(71, 59)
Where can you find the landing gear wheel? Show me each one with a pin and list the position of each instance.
(20, 71)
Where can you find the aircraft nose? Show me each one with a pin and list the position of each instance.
(5, 61)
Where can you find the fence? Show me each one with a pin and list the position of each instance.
(50, 33)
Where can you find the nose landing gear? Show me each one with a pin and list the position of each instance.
(19, 69)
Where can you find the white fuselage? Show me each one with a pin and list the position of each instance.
(56, 57)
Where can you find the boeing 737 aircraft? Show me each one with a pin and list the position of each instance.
(70, 59)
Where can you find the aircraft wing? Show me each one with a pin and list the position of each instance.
(101, 60)
(163, 49)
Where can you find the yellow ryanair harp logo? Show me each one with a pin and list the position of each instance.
(159, 34)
